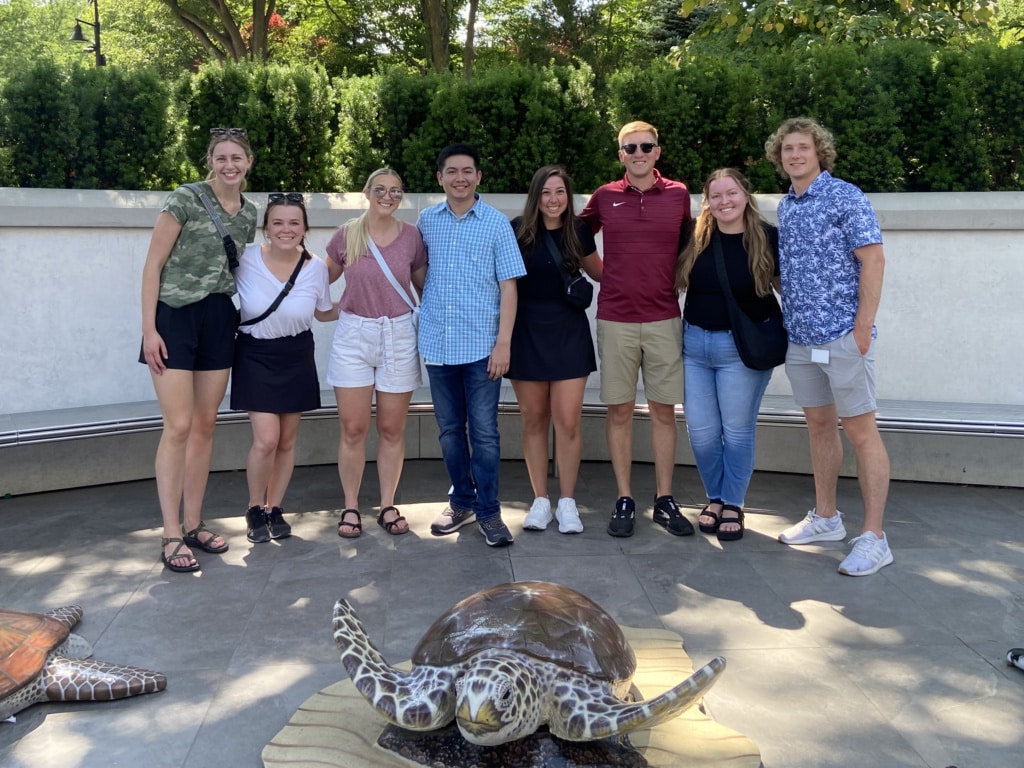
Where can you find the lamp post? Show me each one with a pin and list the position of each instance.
(78, 37)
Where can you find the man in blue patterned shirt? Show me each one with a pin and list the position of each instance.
(465, 330)
(831, 264)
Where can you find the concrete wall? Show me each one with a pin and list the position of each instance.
(71, 264)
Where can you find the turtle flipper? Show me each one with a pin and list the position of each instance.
(605, 716)
(420, 700)
(66, 679)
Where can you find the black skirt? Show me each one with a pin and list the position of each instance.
(275, 375)
(551, 341)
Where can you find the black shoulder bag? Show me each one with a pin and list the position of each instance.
(229, 244)
(762, 346)
(578, 292)
(280, 297)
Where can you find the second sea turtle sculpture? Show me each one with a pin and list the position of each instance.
(509, 659)
(42, 660)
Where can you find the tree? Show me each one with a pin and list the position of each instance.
(772, 24)
(215, 24)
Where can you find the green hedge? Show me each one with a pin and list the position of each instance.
(907, 117)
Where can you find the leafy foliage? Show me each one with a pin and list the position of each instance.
(86, 128)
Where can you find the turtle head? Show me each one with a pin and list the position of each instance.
(497, 699)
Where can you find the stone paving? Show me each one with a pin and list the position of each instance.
(902, 669)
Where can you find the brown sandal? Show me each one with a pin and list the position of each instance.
(177, 554)
(390, 526)
(357, 525)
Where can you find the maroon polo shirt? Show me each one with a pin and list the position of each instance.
(641, 245)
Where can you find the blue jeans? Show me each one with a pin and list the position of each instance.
(721, 403)
(464, 396)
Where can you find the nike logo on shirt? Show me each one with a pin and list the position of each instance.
(616, 205)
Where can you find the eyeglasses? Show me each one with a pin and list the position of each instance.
(646, 148)
(280, 197)
(236, 132)
(395, 193)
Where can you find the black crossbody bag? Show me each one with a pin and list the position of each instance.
(578, 292)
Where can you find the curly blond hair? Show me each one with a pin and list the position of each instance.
(823, 142)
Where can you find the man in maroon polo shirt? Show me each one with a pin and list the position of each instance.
(639, 324)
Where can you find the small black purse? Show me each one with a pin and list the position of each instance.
(578, 292)
(762, 346)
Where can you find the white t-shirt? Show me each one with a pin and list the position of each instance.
(257, 289)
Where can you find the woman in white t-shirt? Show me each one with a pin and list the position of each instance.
(374, 345)
(274, 375)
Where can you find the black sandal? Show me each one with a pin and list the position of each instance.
(737, 520)
(192, 539)
(357, 525)
(178, 555)
(706, 512)
(390, 526)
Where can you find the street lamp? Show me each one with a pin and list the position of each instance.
(78, 37)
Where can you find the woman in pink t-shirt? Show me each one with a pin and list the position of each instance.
(374, 345)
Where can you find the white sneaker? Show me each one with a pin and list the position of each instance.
(539, 516)
(814, 527)
(870, 555)
(568, 516)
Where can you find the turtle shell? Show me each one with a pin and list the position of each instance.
(544, 620)
(26, 639)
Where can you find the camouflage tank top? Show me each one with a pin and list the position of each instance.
(198, 265)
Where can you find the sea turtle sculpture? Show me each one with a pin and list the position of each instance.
(509, 659)
(42, 660)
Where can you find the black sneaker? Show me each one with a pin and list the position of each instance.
(259, 531)
(667, 514)
(621, 524)
(279, 529)
(495, 532)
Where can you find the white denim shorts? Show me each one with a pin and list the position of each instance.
(377, 351)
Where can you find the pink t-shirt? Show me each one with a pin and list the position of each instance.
(367, 291)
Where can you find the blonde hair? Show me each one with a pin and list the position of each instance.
(242, 141)
(824, 142)
(637, 126)
(357, 231)
(755, 242)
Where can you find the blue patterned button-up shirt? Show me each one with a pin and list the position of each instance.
(466, 259)
(818, 233)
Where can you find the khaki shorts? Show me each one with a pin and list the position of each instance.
(846, 380)
(628, 348)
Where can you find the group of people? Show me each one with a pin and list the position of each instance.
(494, 305)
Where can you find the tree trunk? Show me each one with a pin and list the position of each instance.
(470, 53)
(435, 18)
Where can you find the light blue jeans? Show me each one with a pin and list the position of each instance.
(721, 403)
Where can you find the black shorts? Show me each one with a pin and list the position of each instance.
(200, 336)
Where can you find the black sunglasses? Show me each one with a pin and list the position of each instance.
(238, 132)
(280, 197)
(646, 148)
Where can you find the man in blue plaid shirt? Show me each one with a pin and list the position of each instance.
(465, 329)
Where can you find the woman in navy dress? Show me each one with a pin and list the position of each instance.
(552, 347)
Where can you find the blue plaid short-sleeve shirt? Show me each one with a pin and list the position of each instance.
(467, 257)
(818, 233)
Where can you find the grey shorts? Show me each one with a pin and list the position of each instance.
(846, 380)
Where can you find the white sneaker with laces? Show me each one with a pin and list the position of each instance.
(814, 527)
(568, 516)
(870, 555)
(539, 516)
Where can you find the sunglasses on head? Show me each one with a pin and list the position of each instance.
(237, 132)
(395, 193)
(280, 197)
(646, 148)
